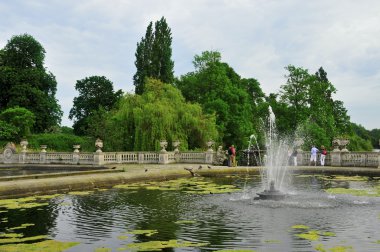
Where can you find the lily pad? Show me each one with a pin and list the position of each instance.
(25, 225)
(20, 240)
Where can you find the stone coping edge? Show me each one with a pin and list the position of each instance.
(137, 173)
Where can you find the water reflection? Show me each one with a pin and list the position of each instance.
(225, 221)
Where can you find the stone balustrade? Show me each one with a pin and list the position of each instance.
(104, 158)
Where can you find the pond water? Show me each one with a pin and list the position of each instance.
(309, 219)
(17, 171)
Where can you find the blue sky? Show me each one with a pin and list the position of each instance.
(257, 38)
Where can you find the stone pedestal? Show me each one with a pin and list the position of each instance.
(43, 156)
(141, 158)
(209, 157)
(336, 158)
(163, 158)
(98, 158)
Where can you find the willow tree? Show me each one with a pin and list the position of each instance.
(161, 112)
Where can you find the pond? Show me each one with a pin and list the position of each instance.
(204, 214)
(31, 170)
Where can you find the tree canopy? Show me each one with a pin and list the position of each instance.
(161, 112)
(153, 56)
(96, 94)
(24, 81)
(221, 91)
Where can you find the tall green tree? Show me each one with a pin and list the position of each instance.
(96, 94)
(153, 56)
(221, 91)
(25, 82)
(161, 112)
(17, 123)
(312, 110)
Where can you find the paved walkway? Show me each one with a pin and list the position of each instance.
(11, 187)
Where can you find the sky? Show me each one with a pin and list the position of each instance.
(257, 38)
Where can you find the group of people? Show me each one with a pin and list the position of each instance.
(313, 155)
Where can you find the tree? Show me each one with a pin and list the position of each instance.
(221, 91)
(16, 123)
(153, 56)
(161, 112)
(95, 93)
(24, 81)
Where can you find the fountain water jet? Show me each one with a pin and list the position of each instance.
(274, 174)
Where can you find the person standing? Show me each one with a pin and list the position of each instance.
(323, 155)
(232, 155)
(294, 155)
(313, 155)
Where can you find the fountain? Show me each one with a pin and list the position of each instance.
(274, 173)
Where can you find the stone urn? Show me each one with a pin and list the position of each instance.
(76, 148)
(335, 144)
(210, 143)
(43, 148)
(98, 145)
(24, 144)
(163, 145)
(343, 145)
(176, 144)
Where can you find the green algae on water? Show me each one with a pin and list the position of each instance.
(235, 250)
(48, 245)
(192, 185)
(312, 235)
(321, 248)
(185, 222)
(20, 240)
(147, 232)
(300, 227)
(80, 192)
(354, 192)
(159, 245)
(25, 225)
(103, 250)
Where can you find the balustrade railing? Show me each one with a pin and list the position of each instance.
(347, 159)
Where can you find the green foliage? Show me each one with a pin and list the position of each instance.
(61, 142)
(375, 138)
(306, 108)
(24, 81)
(140, 122)
(19, 120)
(153, 56)
(95, 94)
(236, 103)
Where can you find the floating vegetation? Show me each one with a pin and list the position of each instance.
(185, 222)
(49, 245)
(52, 196)
(21, 203)
(346, 178)
(103, 250)
(20, 240)
(321, 248)
(147, 232)
(192, 185)
(11, 235)
(235, 250)
(354, 192)
(80, 192)
(25, 225)
(300, 227)
(122, 237)
(159, 245)
(311, 235)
